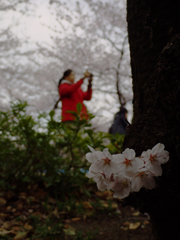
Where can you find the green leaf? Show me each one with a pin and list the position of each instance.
(89, 132)
(73, 113)
(52, 113)
(79, 108)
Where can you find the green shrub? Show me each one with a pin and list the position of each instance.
(46, 150)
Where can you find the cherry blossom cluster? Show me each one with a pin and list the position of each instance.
(124, 173)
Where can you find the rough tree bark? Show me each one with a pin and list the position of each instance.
(154, 37)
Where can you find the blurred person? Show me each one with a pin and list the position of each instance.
(71, 94)
(120, 122)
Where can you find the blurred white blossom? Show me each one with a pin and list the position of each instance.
(154, 158)
(121, 187)
(100, 179)
(143, 178)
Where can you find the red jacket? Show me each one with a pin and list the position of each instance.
(71, 95)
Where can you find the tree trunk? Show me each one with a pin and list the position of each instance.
(154, 37)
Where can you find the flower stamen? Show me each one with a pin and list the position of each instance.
(141, 174)
(106, 161)
(127, 162)
(152, 158)
(112, 178)
(102, 174)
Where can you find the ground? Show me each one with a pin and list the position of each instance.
(104, 226)
(33, 214)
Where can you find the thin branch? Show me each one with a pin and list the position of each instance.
(105, 91)
(112, 43)
(122, 99)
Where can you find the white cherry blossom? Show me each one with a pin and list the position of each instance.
(127, 162)
(154, 158)
(93, 156)
(144, 179)
(102, 162)
(121, 187)
(100, 179)
(125, 173)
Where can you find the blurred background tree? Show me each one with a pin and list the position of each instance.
(41, 39)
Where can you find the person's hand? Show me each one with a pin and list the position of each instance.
(86, 74)
(90, 79)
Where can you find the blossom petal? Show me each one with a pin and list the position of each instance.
(146, 155)
(92, 149)
(122, 194)
(94, 168)
(163, 157)
(90, 175)
(118, 158)
(154, 168)
(149, 182)
(130, 173)
(136, 184)
(139, 162)
(157, 148)
(107, 153)
(120, 183)
(90, 157)
(129, 153)
(101, 186)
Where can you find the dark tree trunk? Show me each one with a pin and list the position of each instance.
(154, 37)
